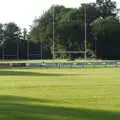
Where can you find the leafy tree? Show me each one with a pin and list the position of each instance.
(11, 36)
(108, 38)
(106, 7)
(70, 28)
(42, 30)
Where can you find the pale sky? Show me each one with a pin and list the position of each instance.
(23, 12)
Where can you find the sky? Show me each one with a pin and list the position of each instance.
(23, 12)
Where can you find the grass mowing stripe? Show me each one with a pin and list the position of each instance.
(60, 94)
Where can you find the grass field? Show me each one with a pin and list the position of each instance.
(60, 94)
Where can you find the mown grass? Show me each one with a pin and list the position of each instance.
(60, 94)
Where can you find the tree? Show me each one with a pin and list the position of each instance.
(108, 38)
(106, 7)
(11, 36)
(69, 27)
(69, 24)
(42, 30)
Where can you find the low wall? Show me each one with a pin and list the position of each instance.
(60, 65)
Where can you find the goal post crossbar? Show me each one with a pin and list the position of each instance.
(69, 51)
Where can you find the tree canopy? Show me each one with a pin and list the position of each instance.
(66, 27)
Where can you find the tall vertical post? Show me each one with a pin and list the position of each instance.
(41, 54)
(85, 42)
(41, 45)
(3, 49)
(3, 52)
(3, 42)
(18, 49)
(28, 47)
(27, 42)
(53, 46)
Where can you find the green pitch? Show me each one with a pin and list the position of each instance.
(60, 94)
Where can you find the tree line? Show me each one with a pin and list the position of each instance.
(66, 26)
(15, 43)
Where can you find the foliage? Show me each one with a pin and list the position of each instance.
(67, 33)
(70, 29)
(107, 31)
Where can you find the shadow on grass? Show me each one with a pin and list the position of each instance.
(13, 99)
(15, 108)
(25, 73)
